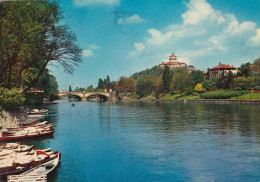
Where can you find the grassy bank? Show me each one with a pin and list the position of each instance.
(245, 96)
(249, 96)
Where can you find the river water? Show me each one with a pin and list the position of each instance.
(151, 141)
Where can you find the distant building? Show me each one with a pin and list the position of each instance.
(173, 63)
(216, 71)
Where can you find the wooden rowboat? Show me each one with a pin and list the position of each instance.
(43, 169)
(29, 135)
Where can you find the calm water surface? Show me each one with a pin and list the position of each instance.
(148, 141)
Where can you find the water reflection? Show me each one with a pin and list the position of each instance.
(155, 141)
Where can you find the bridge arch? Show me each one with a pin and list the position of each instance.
(103, 97)
(79, 96)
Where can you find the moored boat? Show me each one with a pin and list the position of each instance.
(26, 135)
(43, 169)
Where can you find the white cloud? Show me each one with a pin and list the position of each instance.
(95, 2)
(205, 34)
(157, 37)
(88, 53)
(139, 46)
(132, 19)
(256, 39)
(198, 10)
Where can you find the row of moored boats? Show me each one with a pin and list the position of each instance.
(21, 161)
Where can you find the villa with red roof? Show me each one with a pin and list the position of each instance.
(173, 63)
(216, 71)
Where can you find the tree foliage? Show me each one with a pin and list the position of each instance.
(90, 89)
(11, 100)
(225, 81)
(199, 88)
(210, 85)
(107, 83)
(154, 71)
(244, 70)
(160, 87)
(256, 67)
(145, 85)
(126, 85)
(181, 81)
(197, 77)
(100, 84)
(166, 78)
(32, 37)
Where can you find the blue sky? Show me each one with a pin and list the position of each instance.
(121, 37)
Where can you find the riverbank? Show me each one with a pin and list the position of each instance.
(247, 99)
(11, 119)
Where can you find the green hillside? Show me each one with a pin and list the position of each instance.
(155, 71)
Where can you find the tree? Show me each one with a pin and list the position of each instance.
(229, 80)
(243, 83)
(11, 99)
(160, 87)
(31, 37)
(198, 88)
(70, 89)
(225, 81)
(107, 83)
(256, 67)
(210, 85)
(90, 89)
(145, 85)
(166, 77)
(181, 81)
(126, 85)
(197, 77)
(100, 84)
(244, 70)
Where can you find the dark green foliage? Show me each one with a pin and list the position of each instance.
(77, 89)
(53, 97)
(225, 81)
(181, 81)
(107, 83)
(245, 83)
(210, 85)
(11, 100)
(31, 37)
(90, 89)
(223, 94)
(197, 77)
(244, 70)
(154, 71)
(100, 84)
(70, 89)
(166, 78)
(145, 85)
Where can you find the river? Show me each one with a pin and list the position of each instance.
(154, 141)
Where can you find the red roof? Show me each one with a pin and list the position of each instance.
(223, 66)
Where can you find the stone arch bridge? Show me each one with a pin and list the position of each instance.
(85, 95)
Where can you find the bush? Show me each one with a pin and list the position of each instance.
(223, 94)
(11, 100)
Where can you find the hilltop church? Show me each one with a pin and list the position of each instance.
(173, 63)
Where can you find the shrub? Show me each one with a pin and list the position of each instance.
(223, 94)
(198, 88)
(11, 100)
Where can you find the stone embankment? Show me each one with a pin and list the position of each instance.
(11, 119)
